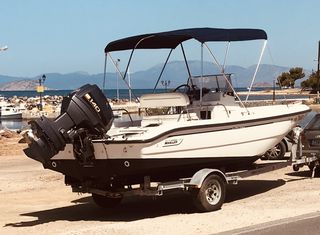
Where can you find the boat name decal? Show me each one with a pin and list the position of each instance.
(91, 101)
(172, 142)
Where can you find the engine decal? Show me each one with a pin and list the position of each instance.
(91, 101)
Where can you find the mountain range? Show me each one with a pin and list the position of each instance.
(175, 72)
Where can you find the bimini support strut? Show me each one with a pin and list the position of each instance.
(104, 72)
(126, 71)
(225, 56)
(256, 71)
(201, 84)
(165, 64)
(225, 77)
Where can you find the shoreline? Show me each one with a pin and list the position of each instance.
(52, 104)
(290, 91)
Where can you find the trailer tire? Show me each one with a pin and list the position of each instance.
(295, 167)
(106, 202)
(211, 195)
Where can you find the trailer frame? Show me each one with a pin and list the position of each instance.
(207, 185)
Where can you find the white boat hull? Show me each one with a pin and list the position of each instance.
(183, 150)
(246, 141)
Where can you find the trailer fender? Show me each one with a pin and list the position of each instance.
(198, 178)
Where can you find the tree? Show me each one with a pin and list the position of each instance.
(311, 82)
(288, 79)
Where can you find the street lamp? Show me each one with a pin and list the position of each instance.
(40, 89)
(318, 75)
(318, 67)
(274, 91)
(165, 83)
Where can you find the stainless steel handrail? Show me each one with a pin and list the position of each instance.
(126, 111)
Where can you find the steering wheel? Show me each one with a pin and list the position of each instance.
(183, 85)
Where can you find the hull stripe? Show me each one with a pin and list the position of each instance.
(213, 127)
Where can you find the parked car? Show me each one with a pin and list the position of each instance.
(310, 137)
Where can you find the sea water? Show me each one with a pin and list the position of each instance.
(13, 124)
(123, 94)
(110, 93)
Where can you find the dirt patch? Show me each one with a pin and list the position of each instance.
(9, 145)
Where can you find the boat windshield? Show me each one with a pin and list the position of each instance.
(215, 82)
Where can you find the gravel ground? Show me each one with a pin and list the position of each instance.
(36, 201)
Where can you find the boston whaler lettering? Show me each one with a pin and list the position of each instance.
(203, 130)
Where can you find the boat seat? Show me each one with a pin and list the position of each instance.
(212, 96)
(169, 99)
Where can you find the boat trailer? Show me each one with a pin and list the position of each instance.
(207, 186)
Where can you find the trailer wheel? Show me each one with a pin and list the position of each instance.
(106, 202)
(211, 195)
(295, 167)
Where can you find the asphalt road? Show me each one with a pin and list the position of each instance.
(308, 224)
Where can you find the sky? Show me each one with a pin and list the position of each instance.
(66, 36)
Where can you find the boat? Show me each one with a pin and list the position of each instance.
(202, 123)
(9, 111)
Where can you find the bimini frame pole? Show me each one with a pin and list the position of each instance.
(115, 65)
(201, 84)
(129, 62)
(225, 56)
(124, 76)
(104, 72)
(119, 72)
(165, 64)
(256, 71)
(225, 77)
(185, 59)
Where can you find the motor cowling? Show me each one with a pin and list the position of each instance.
(85, 109)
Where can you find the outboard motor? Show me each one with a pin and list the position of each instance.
(84, 113)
